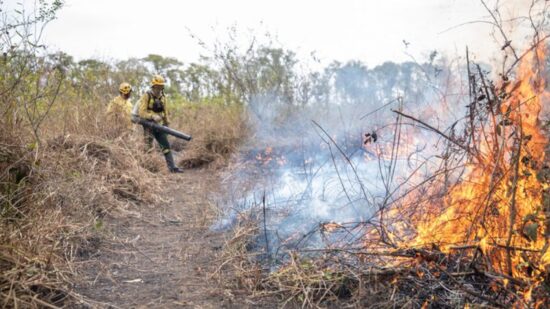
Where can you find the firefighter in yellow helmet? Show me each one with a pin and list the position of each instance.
(152, 107)
(119, 109)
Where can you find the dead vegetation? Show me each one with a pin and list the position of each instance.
(53, 202)
(217, 132)
(472, 233)
(55, 195)
(56, 188)
(56, 192)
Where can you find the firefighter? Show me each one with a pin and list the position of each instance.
(152, 107)
(119, 109)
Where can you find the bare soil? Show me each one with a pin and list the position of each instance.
(158, 256)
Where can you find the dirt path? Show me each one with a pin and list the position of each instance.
(159, 257)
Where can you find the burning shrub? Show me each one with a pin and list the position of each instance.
(473, 230)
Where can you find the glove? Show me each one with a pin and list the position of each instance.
(156, 118)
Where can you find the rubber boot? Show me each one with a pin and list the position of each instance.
(170, 162)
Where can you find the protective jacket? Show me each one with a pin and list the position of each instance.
(119, 111)
(150, 105)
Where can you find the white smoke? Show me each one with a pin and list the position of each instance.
(310, 168)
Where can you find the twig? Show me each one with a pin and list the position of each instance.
(265, 231)
(499, 27)
(440, 133)
(513, 248)
(381, 107)
(513, 209)
(345, 157)
(512, 66)
(469, 291)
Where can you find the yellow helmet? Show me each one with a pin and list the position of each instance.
(157, 80)
(125, 88)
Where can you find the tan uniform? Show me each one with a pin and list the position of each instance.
(119, 112)
(146, 108)
(146, 111)
(152, 107)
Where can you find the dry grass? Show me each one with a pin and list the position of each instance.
(301, 282)
(239, 269)
(217, 133)
(347, 279)
(53, 202)
(53, 198)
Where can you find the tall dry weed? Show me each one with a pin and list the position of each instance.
(217, 132)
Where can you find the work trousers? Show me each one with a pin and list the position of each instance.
(160, 137)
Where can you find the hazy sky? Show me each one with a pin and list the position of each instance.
(370, 30)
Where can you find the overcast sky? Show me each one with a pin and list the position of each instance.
(370, 30)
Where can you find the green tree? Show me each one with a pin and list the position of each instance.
(169, 68)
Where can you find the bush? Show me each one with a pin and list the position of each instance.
(217, 132)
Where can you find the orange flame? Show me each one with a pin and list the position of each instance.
(498, 205)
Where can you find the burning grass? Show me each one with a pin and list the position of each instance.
(474, 232)
(356, 277)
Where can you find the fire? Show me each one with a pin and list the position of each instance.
(498, 205)
(330, 226)
(268, 157)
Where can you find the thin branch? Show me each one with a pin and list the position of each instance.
(440, 133)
